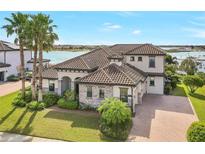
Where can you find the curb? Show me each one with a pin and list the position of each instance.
(193, 108)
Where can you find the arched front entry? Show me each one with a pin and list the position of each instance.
(65, 84)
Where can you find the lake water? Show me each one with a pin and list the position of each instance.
(60, 56)
(183, 55)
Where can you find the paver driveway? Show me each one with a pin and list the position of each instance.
(162, 118)
(9, 87)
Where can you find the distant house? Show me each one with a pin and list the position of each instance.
(10, 60)
(124, 71)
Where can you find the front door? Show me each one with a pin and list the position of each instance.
(1, 76)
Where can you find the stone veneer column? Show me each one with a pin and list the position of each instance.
(72, 85)
(59, 87)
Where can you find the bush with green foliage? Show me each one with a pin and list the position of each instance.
(196, 132)
(13, 78)
(167, 88)
(67, 104)
(18, 102)
(193, 82)
(115, 118)
(36, 106)
(69, 95)
(202, 76)
(50, 99)
(83, 106)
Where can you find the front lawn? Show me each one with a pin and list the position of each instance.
(197, 99)
(48, 123)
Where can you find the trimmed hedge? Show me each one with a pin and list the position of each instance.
(67, 104)
(36, 106)
(13, 78)
(196, 132)
(50, 99)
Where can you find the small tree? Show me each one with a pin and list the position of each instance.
(115, 118)
(193, 82)
(189, 66)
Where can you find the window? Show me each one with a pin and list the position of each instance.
(151, 82)
(89, 91)
(132, 58)
(139, 58)
(101, 93)
(124, 94)
(152, 61)
(51, 86)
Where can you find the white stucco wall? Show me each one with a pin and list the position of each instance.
(13, 58)
(46, 85)
(158, 88)
(144, 64)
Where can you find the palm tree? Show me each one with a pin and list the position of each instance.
(16, 26)
(46, 40)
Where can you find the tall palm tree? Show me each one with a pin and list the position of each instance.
(16, 26)
(46, 40)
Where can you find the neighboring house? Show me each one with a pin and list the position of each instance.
(10, 60)
(124, 71)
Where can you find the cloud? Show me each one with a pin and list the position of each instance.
(196, 32)
(136, 32)
(111, 26)
(127, 13)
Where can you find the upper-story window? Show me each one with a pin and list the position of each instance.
(139, 58)
(152, 61)
(132, 58)
(89, 91)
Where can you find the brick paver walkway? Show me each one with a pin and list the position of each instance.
(9, 87)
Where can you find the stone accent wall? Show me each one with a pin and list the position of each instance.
(95, 100)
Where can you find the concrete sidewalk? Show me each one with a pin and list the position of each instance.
(9, 87)
(10, 137)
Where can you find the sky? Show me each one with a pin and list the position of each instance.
(97, 28)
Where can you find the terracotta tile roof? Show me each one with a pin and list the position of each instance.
(146, 49)
(91, 60)
(114, 74)
(4, 65)
(50, 74)
(7, 46)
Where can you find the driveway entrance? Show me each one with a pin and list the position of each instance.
(162, 118)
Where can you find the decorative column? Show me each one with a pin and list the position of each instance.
(59, 87)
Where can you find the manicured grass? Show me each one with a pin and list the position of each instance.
(179, 91)
(198, 101)
(48, 123)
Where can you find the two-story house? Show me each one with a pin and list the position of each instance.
(10, 60)
(124, 71)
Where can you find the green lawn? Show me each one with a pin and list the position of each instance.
(197, 99)
(179, 91)
(48, 123)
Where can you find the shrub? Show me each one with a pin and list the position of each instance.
(19, 102)
(13, 78)
(193, 82)
(62, 103)
(167, 88)
(115, 118)
(50, 99)
(83, 106)
(69, 95)
(196, 132)
(36, 106)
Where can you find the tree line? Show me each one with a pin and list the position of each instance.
(36, 33)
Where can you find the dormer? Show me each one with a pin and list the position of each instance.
(117, 59)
